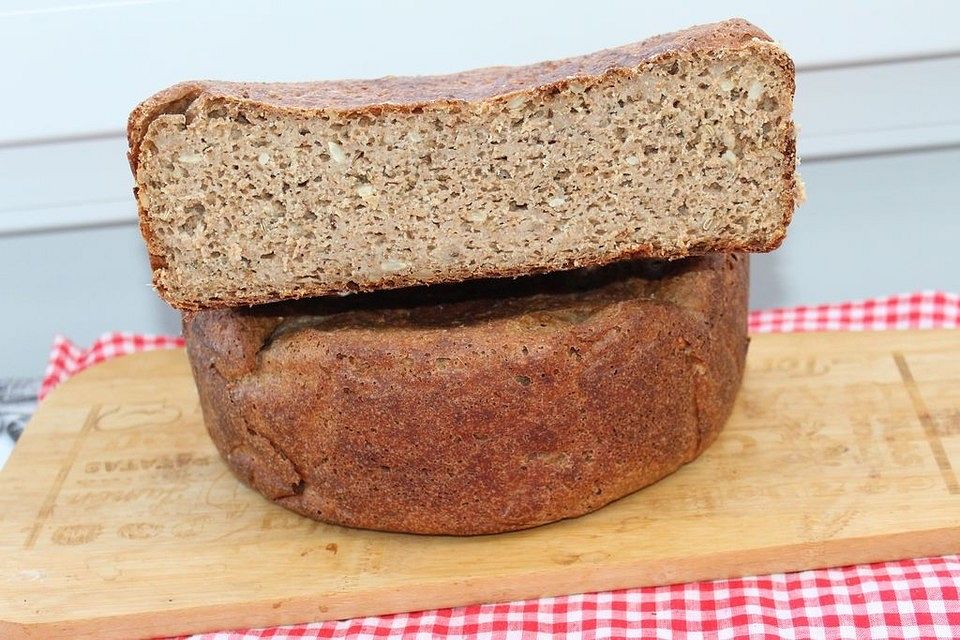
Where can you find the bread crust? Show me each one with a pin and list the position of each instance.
(406, 93)
(480, 408)
(470, 89)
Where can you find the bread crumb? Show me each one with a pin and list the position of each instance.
(476, 216)
(594, 169)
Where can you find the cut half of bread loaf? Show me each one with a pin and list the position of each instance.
(477, 407)
(678, 145)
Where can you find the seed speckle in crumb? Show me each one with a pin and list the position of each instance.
(336, 152)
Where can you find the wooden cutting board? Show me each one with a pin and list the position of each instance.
(118, 520)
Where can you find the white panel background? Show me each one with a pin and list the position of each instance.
(877, 90)
(94, 61)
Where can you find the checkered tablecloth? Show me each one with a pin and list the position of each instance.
(918, 598)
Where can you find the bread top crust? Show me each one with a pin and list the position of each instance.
(493, 311)
(400, 93)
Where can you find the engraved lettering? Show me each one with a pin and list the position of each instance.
(161, 463)
(76, 534)
(190, 528)
(137, 416)
(98, 498)
(796, 367)
(139, 530)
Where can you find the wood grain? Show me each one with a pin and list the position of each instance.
(118, 519)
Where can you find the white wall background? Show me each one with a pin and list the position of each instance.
(878, 85)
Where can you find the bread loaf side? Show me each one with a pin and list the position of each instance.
(478, 407)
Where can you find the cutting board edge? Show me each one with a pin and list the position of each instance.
(915, 543)
(607, 576)
(100, 368)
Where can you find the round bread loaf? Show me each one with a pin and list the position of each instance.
(479, 407)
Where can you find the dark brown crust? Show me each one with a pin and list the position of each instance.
(478, 415)
(451, 92)
(403, 93)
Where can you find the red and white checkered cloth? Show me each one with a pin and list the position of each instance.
(924, 310)
(67, 359)
(917, 598)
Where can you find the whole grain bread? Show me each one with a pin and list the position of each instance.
(480, 407)
(678, 145)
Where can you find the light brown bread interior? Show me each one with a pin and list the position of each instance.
(678, 146)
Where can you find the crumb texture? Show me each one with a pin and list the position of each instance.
(477, 408)
(681, 145)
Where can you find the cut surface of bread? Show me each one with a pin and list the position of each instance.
(478, 407)
(679, 145)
